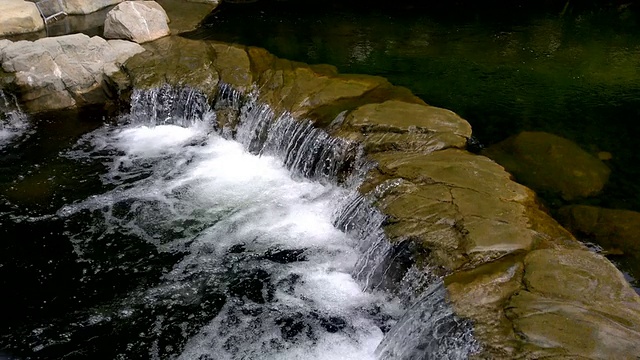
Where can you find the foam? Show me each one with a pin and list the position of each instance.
(168, 174)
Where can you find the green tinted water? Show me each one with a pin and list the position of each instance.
(574, 75)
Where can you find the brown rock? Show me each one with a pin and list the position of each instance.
(233, 65)
(611, 228)
(481, 294)
(549, 163)
(176, 61)
(463, 206)
(576, 303)
(401, 117)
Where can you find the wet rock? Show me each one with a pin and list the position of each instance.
(186, 15)
(613, 229)
(401, 117)
(411, 142)
(572, 306)
(396, 125)
(19, 17)
(549, 163)
(64, 72)
(83, 7)
(138, 21)
(232, 62)
(176, 61)
(459, 206)
(481, 293)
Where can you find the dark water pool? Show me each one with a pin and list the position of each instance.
(574, 74)
(570, 71)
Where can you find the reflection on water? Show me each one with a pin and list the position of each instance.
(575, 76)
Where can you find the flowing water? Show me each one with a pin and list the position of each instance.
(163, 236)
(506, 68)
(13, 122)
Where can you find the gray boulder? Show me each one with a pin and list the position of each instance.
(66, 71)
(19, 17)
(138, 21)
(81, 7)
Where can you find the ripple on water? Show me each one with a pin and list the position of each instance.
(210, 252)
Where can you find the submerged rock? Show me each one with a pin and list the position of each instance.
(83, 7)
(64, 72)
(549, 163)
(138, 21)
(613, 229)
(19, 17)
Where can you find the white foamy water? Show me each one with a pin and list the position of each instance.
(13, 122)
(248, 231)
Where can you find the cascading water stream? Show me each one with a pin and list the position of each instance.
(13, 122)
(196, 248)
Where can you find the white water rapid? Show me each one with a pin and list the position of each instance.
(231, 242)
(13, 122)
(252, 232)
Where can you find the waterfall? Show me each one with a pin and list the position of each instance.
(305, 150)
(13, 122)
(227, 230)
(428, 329)
(169, 106)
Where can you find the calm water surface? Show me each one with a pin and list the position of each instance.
(574, 75)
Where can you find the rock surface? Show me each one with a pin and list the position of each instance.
(83, 7)
(63, 72)
(19, 17)
(138, 21)
(186, 16)
(613, 229)
(177, 61)
(549, 163)
(575, 303)
(531, 290)
(463, 211)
